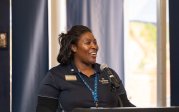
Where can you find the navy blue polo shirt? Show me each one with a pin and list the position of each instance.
(64, 84)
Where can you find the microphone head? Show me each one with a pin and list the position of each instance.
(103, 66)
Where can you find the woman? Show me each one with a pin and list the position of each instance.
(78, 82)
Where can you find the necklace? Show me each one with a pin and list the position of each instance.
(93, 92)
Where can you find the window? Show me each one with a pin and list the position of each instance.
(140, 18)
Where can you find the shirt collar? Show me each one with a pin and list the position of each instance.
(74, 69)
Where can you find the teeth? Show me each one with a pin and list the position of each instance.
(93, 53)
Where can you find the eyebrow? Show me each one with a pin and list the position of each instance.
(90, 39)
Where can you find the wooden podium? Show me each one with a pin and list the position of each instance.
(128, 109)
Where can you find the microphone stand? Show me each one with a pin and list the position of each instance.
(113, 81)
(114, 87)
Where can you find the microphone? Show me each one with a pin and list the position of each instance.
(112, 79)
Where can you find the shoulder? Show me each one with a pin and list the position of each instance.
(56, 74)
(59, 70)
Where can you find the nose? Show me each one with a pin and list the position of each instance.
(94, 45)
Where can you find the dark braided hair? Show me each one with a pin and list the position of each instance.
(66, 40)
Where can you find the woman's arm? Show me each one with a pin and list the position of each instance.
(122, 93)
(125, 101)
(46, 104)
(48, 95)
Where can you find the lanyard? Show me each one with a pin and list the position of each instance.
(93, 92)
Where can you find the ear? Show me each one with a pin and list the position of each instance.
(73, 47)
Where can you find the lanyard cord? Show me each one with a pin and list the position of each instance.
(93, 92)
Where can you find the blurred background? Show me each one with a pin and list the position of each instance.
(137, 38)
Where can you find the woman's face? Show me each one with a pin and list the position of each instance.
(86, 49)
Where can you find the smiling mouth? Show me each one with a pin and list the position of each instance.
(94, 54)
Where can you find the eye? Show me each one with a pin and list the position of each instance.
(87, 42)
(95, 42)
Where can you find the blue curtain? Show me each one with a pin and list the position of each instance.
(174, 52)
(105, 18)
(4, 58)
(29, 52)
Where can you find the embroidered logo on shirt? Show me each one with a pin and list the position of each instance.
(103, 81)
(70, 77)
